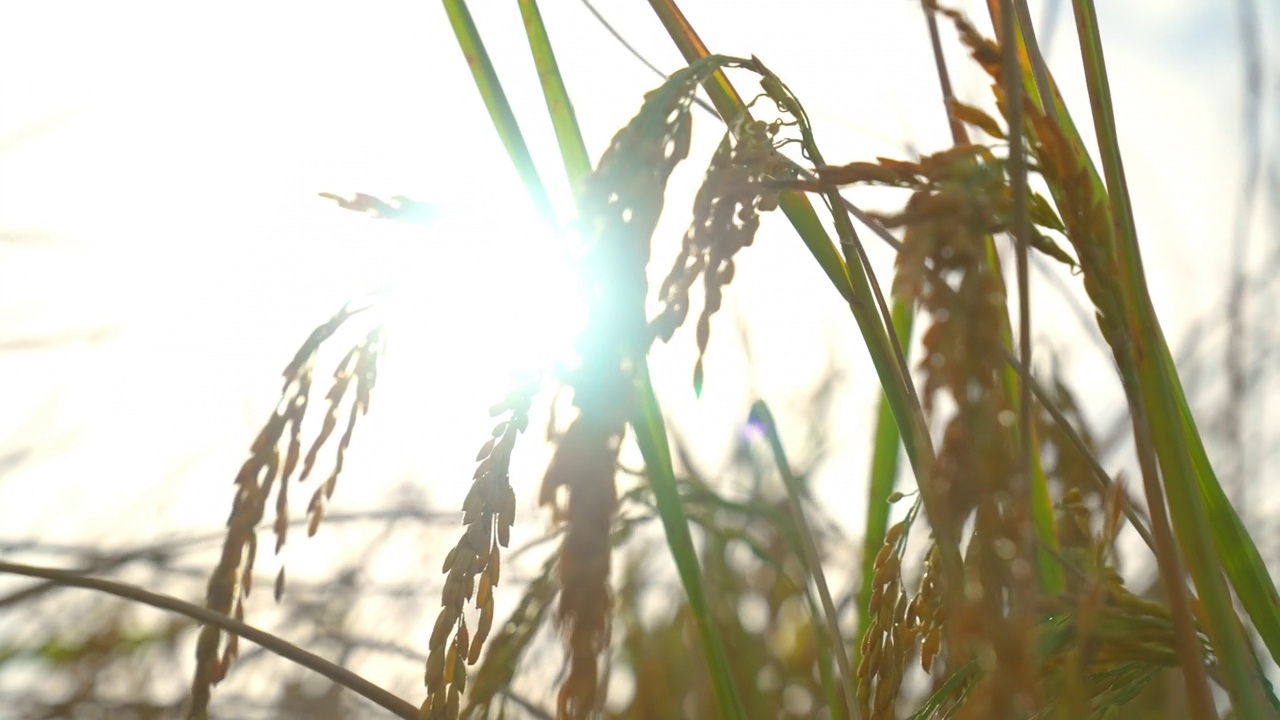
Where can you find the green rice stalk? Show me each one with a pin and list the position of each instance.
(1157, 380)
(495, 100)
(809, 550)
(1236, 550)
(884, 472)
(1024, 506)
(573, 151)
(651, 436)
(853, 286)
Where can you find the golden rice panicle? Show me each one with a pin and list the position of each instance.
(927, 613)
(501, 662)
(960, 198)
(488, 513)
(726, 216)
(232, 579)
(621, 204)
(1084, 219)
(892, 633)
(945, 267)
(360, 365)
(584, 464)
(984, 50)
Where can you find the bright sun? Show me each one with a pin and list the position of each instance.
(481, 298)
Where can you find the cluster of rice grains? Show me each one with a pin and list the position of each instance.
(232, 579)
(726, 216)
(488, 513)
(619, 213)
(944, 268)
(993, 646)
(897, 623)
(1092, 647)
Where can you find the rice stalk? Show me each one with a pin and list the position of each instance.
(1157, 383)
(231, 580)
(852, 282)
(338, 674)
(495, 101)
(473, 567)
(1099, 226)
(621, 206)
(1010, 455)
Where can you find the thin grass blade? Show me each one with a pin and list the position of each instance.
(762, 418)
(651, 436)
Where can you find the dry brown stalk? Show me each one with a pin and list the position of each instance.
(231, 581)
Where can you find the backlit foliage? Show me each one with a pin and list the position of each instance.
(996, 594)
(230, 583)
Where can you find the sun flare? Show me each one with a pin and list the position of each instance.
(479, 299)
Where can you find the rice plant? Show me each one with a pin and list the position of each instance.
(993, 592)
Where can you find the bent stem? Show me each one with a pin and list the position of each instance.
(283, 648)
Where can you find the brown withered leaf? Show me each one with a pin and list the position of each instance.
(955, 161)
(971, 115)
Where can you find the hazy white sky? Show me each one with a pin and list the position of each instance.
(159, 220)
